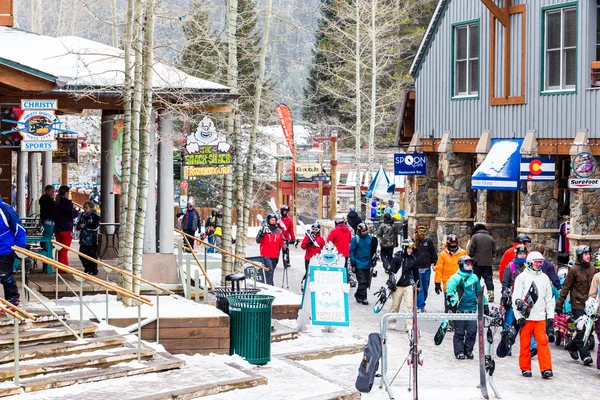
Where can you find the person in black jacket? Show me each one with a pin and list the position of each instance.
(353, 219)
(405, 263)
(426, 259)
(47, 205)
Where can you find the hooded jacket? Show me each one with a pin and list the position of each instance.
(387, 233)
(577, 283)
(353, 219)
(482, 248)
(447, 265)
(410, 271)
(510, 274)
(271, 241)
(360, 251)
(468, 286)
(544, 306)
(12, 231)
(425, 253)
(288, 233)
(340, 236)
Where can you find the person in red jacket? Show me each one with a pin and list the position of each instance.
(509, 254)
(289, 237)
(341, 236)
(313, 242)
(270, 239)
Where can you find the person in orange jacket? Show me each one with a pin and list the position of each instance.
(509, 254)
(447, 263)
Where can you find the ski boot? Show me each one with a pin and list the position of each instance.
(547, 374)
(490, 294)
(526, 374)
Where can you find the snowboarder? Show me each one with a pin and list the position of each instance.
(340, 236)
(405, 263)
(426, 259)
(577, 284)
(388, 239)
(534, 316)
(482, 248)
(312, 243)
(353, 219)
(509, 254)
(361, 261)
(447, 264)
(461, 293)
(270, 239)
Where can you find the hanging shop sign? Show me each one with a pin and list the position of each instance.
(192, 171)
(410, 164)
(538, 169)
(308, 170)
(584, 167)
(66, 151)
(206, 135)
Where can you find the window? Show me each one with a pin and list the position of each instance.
(560, 44)
(466, 60)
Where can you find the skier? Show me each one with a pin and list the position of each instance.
(593, 295)
(288, 234)
(361, 261)
(447, 264)
(482, 248)
(308, 244)
(405, 263)
(388, 239)
(426, 260)
(340, 236)
(353, 219)
(462, 289)
(534, 316)
(509, 254)
(270, 239)
(577, 284)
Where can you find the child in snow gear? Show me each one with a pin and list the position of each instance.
(426, 260)
(578, 284)
(388, 239)
(406, 273)
(362, 249)
(462, 289)
(340, 236)
(270, 239)
(509, 254)
(88, 226)
(533, 315)
(482, 248)
(447, 264)
(308, 244)
(13, 234)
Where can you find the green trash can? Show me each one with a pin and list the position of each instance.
(250, 331)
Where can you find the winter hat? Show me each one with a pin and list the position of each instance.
(387, 217)
(352, 208)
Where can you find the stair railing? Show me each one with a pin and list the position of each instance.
(107, 269)
(82, 277)
(18, 315)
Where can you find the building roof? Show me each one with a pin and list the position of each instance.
(76, 63)
(428, 37)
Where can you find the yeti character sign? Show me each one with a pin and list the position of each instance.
(206, 135)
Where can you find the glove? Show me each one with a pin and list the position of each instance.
(438, 288)
(291, 241)
(353, 266)
(506, 301)
(521, 322)
(550, 329)
(309, 243)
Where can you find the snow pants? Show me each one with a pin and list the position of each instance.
(6, 276)
(465, 333)
(362, 276)
(486, 274)
(64, 237)
(89, 267)
(406, 294)
(270, 263)
(577, 343)
(538, 329)
(509, 319)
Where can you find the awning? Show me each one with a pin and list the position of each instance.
(501, 167)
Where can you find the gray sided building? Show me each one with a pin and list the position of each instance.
(523, 76)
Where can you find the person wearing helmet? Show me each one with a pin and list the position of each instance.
(591, 303)
(353, 218)
(190, 221)
(288, 233)
(270, 239)
(388, 239)
(509, 254)
(482, 248)
(389, 208)
(426, 259)
(362, 249)
(534, 319)
(340, 237)
(577, 285)
(312, 243)
(404, 262)
(447, 263)
(462, 289)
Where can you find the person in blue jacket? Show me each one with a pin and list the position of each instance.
(362, 248)
(12, 233)
(461, 294)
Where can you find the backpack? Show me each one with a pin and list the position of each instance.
(369, 364)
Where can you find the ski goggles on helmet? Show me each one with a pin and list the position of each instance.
(407, 243)
(452, 239)
(521, 249)
(421, 229)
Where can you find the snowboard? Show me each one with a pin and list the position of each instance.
(385, 292)
(509, 334)
(441, 332)
(482, 371)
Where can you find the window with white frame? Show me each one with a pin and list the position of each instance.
(466, 59)
(560, 48)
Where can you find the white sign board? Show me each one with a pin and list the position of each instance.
(39, 104)
(329, 292)
(183, 202)
(584, 183)
(46, 145)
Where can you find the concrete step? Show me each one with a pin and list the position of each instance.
(103, 340)
(46, 335)
(98, 359)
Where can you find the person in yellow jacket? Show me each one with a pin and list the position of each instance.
(447, 264)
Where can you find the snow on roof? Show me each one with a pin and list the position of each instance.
(84, 63)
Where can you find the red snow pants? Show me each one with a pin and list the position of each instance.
(538, 329)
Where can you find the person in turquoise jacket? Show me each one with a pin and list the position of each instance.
(362, 249)
(462, 289)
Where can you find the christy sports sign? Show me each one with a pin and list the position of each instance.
(538, 169)
(410, 164)
(38, 120)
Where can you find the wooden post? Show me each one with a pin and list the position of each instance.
(279, 167)
(320, 186)
(64, 174)
(333, 191)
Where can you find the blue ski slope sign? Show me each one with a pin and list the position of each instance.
(410, 164)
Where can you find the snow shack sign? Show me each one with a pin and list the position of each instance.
(208, 153)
